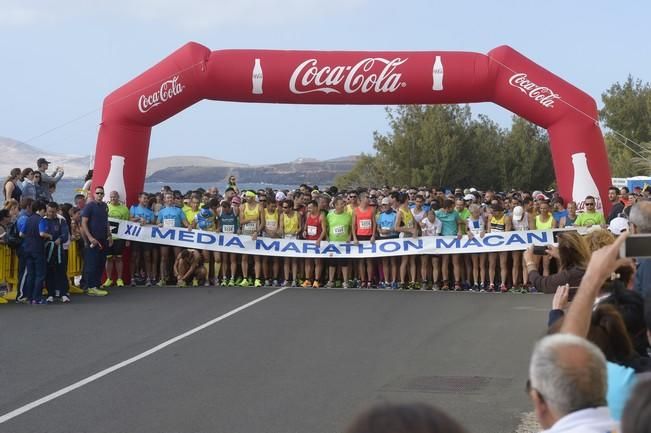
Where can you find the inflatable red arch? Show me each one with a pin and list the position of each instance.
(503, 76)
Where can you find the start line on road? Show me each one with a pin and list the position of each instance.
(300, 359)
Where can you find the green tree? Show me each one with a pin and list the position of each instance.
(526, 161)
(627, 113)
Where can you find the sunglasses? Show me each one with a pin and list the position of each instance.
(589, 204)
(99, 192)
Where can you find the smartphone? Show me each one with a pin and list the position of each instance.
(636, 246)
(540, 250)
(572, 293)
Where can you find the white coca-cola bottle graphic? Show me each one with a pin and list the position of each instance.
(257, 78)
(115, 179)
(583, 185)
(437, 74)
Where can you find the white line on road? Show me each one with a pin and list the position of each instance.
(14, 413)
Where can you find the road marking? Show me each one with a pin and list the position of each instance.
(14, 413)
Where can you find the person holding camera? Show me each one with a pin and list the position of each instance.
(47, 180)
(572, 255)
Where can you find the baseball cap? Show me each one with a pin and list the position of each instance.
(250, 194)
(280, 196)
(540, 196)
(518, 213)
(473, 190)
(386, 200)
(469, 197)
(618, 225)
(42, 161)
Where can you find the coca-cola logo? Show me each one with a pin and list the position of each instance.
(541, 94)
(167, 91)
(365, 76)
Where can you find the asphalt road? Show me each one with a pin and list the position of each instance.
(303, 360)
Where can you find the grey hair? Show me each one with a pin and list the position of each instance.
(565, 384)
(641, 216)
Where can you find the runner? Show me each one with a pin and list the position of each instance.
(117, 210)
(364, 230)
(451, 226)
(169, 216)
(315, 230)
(206, 220)
(590, 217)
(141, 256)
(339, 230)
(570, 218)
(544, 221)
(290, 227)
(386, 223)
(498, 223)
(476, 227)
(406, 226)
(250, 223)
(228, 223)
(430, 226)
(520, 222)
(187, 267)
(271, 224)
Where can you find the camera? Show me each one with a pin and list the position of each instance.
(540, 250)
(636, 246)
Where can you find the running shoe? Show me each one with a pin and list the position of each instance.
(503, 288)
(245, 283)
(274, 283)
(306, 283)
(206, 283)
(231, 282)
(133, 281)
(445, 287)
(65, 299)
(119, 282)
(148, 283)
(3, 300)
(474, 288)
(294, 283)
(182, 283)
(238, 280)
(38, 302)
(21, 300)
(316, 284)
(195, 282)
(161, 282)
(330, 285)
(394, 285)
(458, 287)
(75, 290)
(94, 291)
(491, 288)
(267, 282)
(50, 300)
(345, 285)
(436, 287)
(107, 283)
(257, 283)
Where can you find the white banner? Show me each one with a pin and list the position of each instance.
(241, 244)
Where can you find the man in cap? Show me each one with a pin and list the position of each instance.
(48, 180)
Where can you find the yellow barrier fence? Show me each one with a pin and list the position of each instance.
(9, 269)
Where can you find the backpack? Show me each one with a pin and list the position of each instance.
(13, 236)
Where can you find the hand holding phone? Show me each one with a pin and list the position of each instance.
(540, 250)
(638, 245)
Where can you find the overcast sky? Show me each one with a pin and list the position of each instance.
(60, 59)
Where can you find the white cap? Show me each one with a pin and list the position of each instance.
(473, 189)
(469, 197)
(280, 196)
(518, 213)
(386, 200)
(618, 225)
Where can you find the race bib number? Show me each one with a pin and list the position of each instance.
(250, 227)
(365, 224)
(311, 230)
(169, 222)
(271, 225)
(228, 229)
(339, 230)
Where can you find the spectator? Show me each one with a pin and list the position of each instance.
(54, 231)
(567, 385)
(569, 219)
(47, 180)
(640, 222)
(572, 254)
(27, 186)
(34, 254)
(11, 188)
(637, 416)
(404, 418)
(598, 238)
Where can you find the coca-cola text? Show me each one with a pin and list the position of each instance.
(309, 78)
(168, 90)
(541, 94)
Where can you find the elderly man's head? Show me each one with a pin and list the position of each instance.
(566, 374)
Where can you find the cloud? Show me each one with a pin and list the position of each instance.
(189, 14)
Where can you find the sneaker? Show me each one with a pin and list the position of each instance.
(195, 282)
(257, 283)
(503, 288)
(316, 284)
(245, 282)
(148, 283)
(284, 283)
(94, 291)
(491, 288)
(402, 286)
(3, 300)
(238, 281)
(50, 300)
(65, 299)
(274, 283)
(107, 283)
(21, 300)
(215, 282)
(474, 288)
(381, 285)
(532, 289)
(457, 287)
(267, 282)
(445, 287)
(75, 290)
(306, 283)
(206, 283)
(436, 287)
(231, 282)
(394, 285)
(133, 282)
(160, 282)
(119, 282)
(37, 302)
(181, 283)
(423, 285)
(330, 285)
(345, 285)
